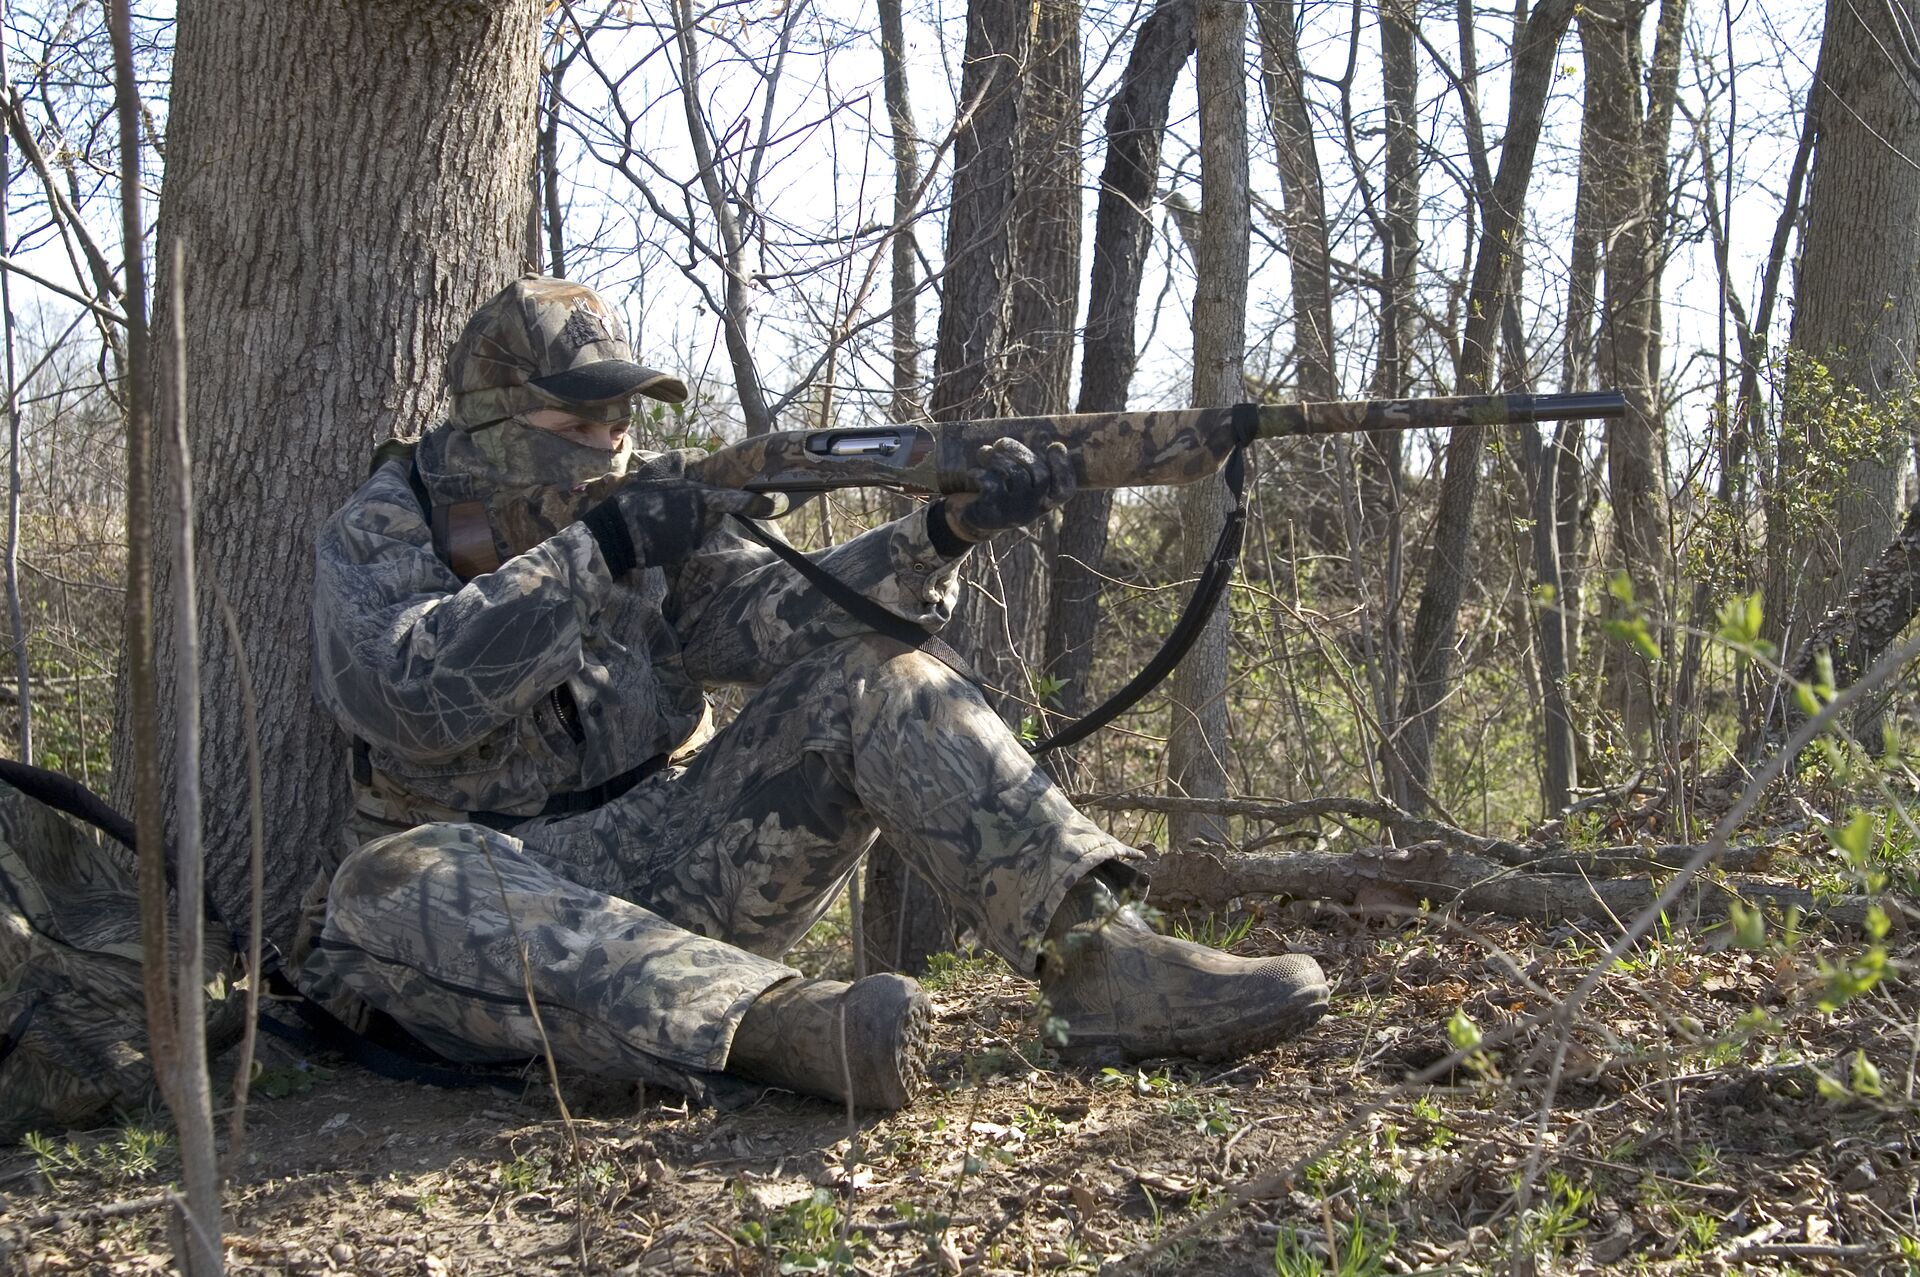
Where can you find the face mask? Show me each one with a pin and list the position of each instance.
(525, 454)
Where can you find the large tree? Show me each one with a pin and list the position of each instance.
(1856, 314)
(345, 183)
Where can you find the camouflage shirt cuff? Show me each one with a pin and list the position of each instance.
(593, 576)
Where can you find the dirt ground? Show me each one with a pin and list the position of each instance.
(1707, 1116)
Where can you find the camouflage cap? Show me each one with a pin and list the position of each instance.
(547, 343)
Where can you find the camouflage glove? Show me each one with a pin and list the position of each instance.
(656, 523)
(1016, 488)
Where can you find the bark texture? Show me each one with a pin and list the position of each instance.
(1430, 649)
(348, 183)
(1136, 124)
(1197, 739)
(1856, 309)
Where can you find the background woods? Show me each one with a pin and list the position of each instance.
(1481, 705)
(820, 213)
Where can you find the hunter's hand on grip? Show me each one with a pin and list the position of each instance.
(657, 523)
(1015, 488)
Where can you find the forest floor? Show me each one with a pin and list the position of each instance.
(1701, 1112)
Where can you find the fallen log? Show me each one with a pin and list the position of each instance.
(1612, 861)
(1403, 878)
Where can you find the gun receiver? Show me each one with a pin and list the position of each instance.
(1109, 449)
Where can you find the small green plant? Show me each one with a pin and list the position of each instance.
(946, 970)
(1158, 1082)
(805, 1237)
(1427, 1111)
(1214, 931)
(134, 1153)
(1203, 1115)
(522, 1175)
(1559, 1218)
(1354, 1252)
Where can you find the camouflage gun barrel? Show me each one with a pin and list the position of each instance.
(1109, 449)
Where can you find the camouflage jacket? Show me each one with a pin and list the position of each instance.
(548, 676)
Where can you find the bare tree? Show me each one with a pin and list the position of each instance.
(1197, 736)
(1135, 124)
(1624, 169)
(317, 327)
(1430, 650)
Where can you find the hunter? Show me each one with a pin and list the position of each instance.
(518, 626)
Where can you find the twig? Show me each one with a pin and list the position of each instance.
(256, 880)
(192, 1101)
(90, 1214)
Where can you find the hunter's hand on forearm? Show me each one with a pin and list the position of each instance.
(1016, 488)
(656, 523)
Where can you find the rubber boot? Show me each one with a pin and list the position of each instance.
(792, 1037)
(1120, 988)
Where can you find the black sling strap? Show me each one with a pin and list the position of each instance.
(1214, 579)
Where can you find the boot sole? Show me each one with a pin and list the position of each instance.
(901, 1066)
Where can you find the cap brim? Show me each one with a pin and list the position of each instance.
(611, 379)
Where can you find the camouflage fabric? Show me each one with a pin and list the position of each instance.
(538, 328)
(547, 676)
(650, 924)
(73, 1030)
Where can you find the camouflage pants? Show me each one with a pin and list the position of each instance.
(644, 929)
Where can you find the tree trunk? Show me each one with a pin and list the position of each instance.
(1197, 739)
(316, 320)
(1430, 652)
(906, 404)
(1626, 174)
(1303, 198)
(1856, 308)
(1136, 122)
(1042, 298)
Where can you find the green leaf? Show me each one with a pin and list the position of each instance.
(1855, 839)
(1831, 1090)
(1463, 1032)
(1749, 925)
(1866, 1077)
(1804, 698)
(1633, 630)
(1878, 924)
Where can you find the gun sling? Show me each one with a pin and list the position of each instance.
(1214, 578)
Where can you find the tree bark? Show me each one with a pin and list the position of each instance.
(1625, 170)
(1430, 651)
(1882, 602)
(1037, 362)
(1856, 310)
(1197, 739)
(1136, 123)
(317, 316)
